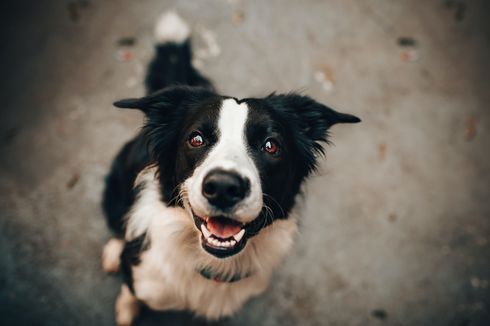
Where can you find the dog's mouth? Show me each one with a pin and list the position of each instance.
(221, 237)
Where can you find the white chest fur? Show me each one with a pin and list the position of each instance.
(167, 276)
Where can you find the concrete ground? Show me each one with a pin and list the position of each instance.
(396, 226)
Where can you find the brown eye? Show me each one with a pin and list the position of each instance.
(271, 147)
(196, 139)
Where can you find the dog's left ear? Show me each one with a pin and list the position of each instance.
(313, 118)
(310, 121)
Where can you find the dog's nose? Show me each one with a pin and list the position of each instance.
(224, 189)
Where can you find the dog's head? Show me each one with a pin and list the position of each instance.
(235, 165)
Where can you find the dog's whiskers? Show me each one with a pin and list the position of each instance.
(277, 203)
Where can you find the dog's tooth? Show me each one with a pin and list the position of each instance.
(239, 235)
(226, 243)
(232, 243)
(205, 231)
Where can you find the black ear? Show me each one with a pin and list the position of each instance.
(334, 117)
(164, 111)
(129, 103)
(312, 118)
(167, 98)
(308, 121)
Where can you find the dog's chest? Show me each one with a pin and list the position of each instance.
(164, 285)
(169, 274)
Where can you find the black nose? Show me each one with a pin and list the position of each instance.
(224, 189)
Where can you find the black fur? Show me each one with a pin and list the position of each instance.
(131, 257)
(300, 124)
(172, 65)
(171, 115)
(119, 194)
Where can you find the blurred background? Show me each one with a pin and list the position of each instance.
(395, 228)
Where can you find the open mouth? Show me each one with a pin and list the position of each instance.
(222, 237)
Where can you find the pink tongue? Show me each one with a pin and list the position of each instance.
(223, 227)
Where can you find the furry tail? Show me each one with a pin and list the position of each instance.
(172, 63)
(171, 28)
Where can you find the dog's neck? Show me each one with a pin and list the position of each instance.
(207, 273)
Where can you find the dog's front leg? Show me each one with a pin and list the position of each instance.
(111, 255)
(127, 307)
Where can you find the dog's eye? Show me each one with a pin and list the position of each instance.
(196, 139)
(271, 147)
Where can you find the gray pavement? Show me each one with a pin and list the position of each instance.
(395, 229)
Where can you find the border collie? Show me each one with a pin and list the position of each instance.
(202, 199)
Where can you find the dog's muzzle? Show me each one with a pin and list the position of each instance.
(223, 235)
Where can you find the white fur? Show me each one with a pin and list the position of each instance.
(147, 205)
(111, 255)
(167, 276)
(171, 28)
(230, 154)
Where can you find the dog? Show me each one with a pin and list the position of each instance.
(202, 201)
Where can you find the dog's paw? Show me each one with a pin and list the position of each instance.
(111, 255)
(127, 307)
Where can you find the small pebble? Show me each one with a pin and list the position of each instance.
(470, 129)
(379, 314)
(238, 17)
(126, 41)
(478, 283)
(73, 181)
(325, 78)
(409, 55)
(406, 41)
(124, 55)
(382, 151)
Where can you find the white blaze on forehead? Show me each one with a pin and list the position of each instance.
(231, 154)
(231, 126)
(233, 115)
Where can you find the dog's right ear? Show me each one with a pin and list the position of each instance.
(164, 114)
(166, 99)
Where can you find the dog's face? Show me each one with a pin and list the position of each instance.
(235, 165)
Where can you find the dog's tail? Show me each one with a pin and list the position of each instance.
(172, 64)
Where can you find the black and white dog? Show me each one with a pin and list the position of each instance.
(202, 199)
